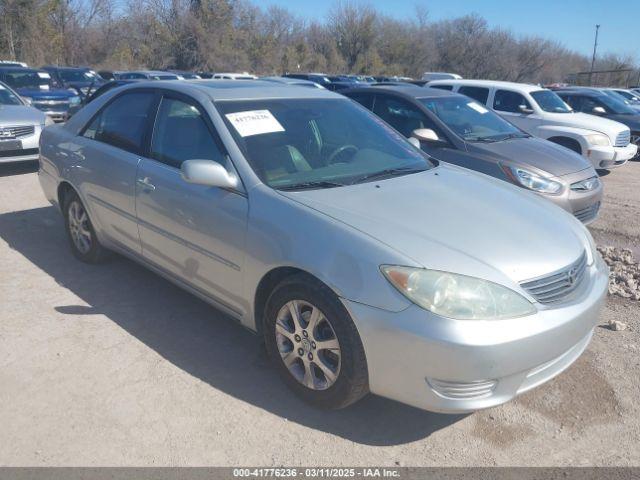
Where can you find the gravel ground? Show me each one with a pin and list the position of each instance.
(112, 365)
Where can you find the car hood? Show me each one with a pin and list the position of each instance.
(586, 121)
(20, 115)
(456, 220)
(631, 121)
(540, 154)
(54, 93)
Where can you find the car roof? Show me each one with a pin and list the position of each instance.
(408, 90)
(523, 87)
(589, 91)
(20, 69)
(234, 90)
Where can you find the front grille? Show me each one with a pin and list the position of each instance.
(623, 138)
(557, 286)
(18, 153)
(462, 390)
(587, 214)
(17, 131)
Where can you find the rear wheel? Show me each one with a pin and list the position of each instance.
(314, 343)
(82, 236)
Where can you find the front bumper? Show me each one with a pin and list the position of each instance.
(27, 153)
(584, 205)
(455, 366)
(611, 157)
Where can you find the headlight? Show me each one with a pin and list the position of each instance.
(457, 296)
(586, 185)
(533, 181)
(84, 90)
(74, 100)
(598, 140)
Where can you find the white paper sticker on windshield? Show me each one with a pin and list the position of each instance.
(254, 122)
(44, 75)
(477, 107)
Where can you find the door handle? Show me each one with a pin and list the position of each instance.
(145, 184)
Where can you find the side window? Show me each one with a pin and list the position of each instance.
(587, 104)
(573, 102)
(364, 99)
(181, 134)
(506, 101)
(477, 93)
(441, 87)
(403, 116)
(122, 122)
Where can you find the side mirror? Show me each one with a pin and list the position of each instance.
(524, 109)
(599, 110)
(427, 135)
(208, 172)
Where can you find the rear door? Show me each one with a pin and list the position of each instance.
(194, 232)
(110, 150)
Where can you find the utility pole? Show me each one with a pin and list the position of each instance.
(593, 58)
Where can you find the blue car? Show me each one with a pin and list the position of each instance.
(37, 88)
(81, 79)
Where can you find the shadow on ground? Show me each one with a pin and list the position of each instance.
(18, 168)
(197, 338)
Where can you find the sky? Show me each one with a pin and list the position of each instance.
(571, 22)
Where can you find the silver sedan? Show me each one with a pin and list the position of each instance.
(365, 265)
(20, 127)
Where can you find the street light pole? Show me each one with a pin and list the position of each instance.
(593, 58)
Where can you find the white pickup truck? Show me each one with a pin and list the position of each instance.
(542, 113)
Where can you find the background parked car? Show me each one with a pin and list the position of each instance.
(458, 130)
(110, 74)
(38, 89)
(292, 81)
(234, 76)
(148, 75)
(184, 75)
(83, 80)
(430, 76)
(540, 112)
(596, 102)
(319, 78)
(108, 87)
(630, 96)
(20, 127)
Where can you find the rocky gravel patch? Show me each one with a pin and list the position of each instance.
(624, 277)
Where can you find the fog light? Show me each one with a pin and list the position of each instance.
(462, 390)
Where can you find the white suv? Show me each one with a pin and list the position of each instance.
(542, 113)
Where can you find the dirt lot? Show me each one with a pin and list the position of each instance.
(112, 365)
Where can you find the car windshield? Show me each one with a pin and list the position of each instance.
(471, 120)
(77, 76)
(28, 79)
(550, 102)
(7, 97)
(163, 77)
(317, 143)
(614, 104)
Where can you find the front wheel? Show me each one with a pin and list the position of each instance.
(314, 344)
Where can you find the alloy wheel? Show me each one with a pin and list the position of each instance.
(79, 226)
(308, 345)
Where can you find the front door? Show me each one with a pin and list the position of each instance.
(194, 232)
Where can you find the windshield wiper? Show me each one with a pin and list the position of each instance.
(311, 185)
(388, 172)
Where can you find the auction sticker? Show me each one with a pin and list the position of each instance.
(254, 122)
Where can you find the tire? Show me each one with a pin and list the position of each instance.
(80, 232)
(330, 377)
